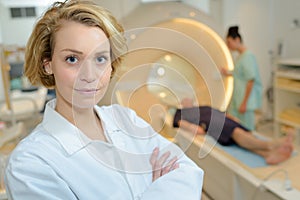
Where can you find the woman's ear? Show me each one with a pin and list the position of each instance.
(47, 67)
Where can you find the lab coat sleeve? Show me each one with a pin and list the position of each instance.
(182, 183)
(30, 178)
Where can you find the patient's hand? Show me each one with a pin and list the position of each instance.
(193, 128)
(160, 165)
(233, 118)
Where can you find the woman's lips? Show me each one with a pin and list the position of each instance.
(87, 91)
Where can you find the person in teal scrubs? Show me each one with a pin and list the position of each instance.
(247, 92)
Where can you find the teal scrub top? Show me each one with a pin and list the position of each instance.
(246, 69)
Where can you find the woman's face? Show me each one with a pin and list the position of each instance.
(81, 65)
(232, 43)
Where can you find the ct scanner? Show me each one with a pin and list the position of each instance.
(171, 56)
(175, 51)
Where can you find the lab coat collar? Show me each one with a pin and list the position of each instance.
(68, 135)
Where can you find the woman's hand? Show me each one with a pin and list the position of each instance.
(225, 72)
(159, 165)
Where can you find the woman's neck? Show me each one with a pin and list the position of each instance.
(242, 48)
(70, 112)
(89, 123)
(85, 119)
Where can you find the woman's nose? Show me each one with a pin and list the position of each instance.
(87, 72)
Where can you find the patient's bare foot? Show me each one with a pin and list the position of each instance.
(288, 139)
(281, 152)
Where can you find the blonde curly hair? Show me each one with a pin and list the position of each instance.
(42, 40)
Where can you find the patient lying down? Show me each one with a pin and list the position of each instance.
(227, 131)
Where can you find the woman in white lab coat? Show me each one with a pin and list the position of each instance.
(81, 150)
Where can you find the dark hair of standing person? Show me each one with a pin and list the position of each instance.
(233, 32)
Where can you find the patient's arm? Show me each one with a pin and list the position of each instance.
(233, 118)
(191, 127)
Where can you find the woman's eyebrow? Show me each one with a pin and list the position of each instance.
(79, 52)
(102, 52)
(72, 50)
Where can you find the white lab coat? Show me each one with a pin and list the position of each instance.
(57, 161)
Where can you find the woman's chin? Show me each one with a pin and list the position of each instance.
(85, 102)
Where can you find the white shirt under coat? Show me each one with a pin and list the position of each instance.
(57, 161)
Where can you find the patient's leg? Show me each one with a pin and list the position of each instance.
(248, 141)
(274, 151)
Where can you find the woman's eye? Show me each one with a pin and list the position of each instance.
(101, 59)
(71, 59)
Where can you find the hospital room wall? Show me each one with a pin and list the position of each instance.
(263, 25)
(16, 31)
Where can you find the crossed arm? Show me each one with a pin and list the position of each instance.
(160, 166)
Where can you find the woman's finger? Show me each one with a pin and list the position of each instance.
(175, 166)
(153, 161)
(169, 166)
(154, 156)
(157, 164)
(161, 161)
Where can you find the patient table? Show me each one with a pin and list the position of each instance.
(226, 177)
